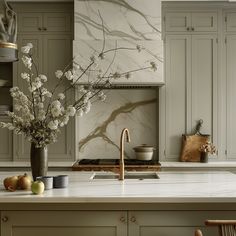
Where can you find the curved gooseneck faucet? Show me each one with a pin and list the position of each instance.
(124, 132)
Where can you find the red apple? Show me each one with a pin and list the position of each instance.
(10, 183)
(37, 187)
(24, 181)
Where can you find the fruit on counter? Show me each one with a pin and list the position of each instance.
(11, 183)
(37, 187)
(24, 181)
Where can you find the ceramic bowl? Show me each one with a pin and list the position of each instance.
(60, 181)
(144, 152)
(47, 180)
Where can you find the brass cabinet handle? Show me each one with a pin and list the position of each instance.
(188, 28)
(192, 28)
(133, 219)
(44, 29)
(39, 28)
(4, 219)
(122, 219)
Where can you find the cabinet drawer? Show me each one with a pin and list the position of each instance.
(177, 21)
(30, 22)
(231, 21)
(205, 22)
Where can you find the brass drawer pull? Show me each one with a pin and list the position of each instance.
(122, 219)
(133, 219)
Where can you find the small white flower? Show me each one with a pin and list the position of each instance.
(69, 75)
(25, 49)
(153, 65)
(65, 119)
(25, 76)
(59, 74)
(27, 61)
(56, 103)
(56, 111)
(43, 78)
(48, 94)
(70, 111)
(80, 113)
(61, 96)
(41, 115)
(30, 45)
(53, 124)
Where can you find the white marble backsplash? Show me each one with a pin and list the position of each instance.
(99, 130)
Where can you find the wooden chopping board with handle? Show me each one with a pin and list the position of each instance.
(192, 143)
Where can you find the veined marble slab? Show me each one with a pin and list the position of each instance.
(125, 58)
(130, 19)
(99, 130)
(131, 22)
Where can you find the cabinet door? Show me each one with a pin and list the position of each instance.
(205, 22)
(64, 223)
(57, 51)
(30, 22)
(231, 95)
(230, 21)
(176, 94)
(177, 223)
(57, 22)
(204, 81)
(6, 140)
(177, 21)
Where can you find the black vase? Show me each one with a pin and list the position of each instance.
(204, 157)
(38, 161)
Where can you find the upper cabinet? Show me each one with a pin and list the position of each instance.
(230, 19)
(190, 22)
(44, 22)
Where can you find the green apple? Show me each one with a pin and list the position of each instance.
(37, 187)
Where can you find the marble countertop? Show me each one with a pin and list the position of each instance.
(174, 187)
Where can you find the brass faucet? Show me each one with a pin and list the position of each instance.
(122, 164)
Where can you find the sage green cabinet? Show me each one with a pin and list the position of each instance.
(190, 92)
(109, 223)
(51, 35)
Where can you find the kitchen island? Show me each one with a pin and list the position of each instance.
(175, 204)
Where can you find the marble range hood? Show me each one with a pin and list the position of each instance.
(126, 23)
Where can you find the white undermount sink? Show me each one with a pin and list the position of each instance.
(128, 175)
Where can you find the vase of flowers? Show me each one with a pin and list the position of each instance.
(39, 113)
(38, 160)
(205, 150)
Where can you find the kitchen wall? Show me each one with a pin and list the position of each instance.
(127, 23)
